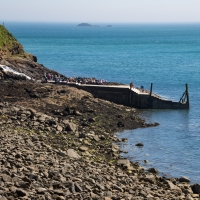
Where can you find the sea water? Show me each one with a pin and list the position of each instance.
(167, 55)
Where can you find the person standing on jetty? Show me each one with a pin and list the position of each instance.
(142, 88)
(131, 85)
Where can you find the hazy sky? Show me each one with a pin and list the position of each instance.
(97, 11)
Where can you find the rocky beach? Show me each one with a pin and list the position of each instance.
(58, 142)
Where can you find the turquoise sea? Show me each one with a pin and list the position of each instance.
(167, 55)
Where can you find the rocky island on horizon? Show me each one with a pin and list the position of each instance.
(89, 25)
(86, 25)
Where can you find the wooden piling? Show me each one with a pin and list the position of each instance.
(187, 94)
(150, 95)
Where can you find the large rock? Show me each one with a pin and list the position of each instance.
(149, 178)
(21, 193)
(6, 178)
(115, 148)
(70, 126)
(72, 153)
(139, 144)
(196, 188)
(3, 198)
(184, 179)
(83, 148)
(172, 186)
(153, 170)
(124, 163)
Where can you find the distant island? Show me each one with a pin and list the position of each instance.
(84, 25)
(89, 25)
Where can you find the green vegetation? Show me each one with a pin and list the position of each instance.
(8, 44)
(3, 117)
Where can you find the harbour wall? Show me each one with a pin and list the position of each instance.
(128, 97)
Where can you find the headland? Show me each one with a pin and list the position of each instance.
(58, 142)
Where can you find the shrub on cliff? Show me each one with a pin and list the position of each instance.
(8, 44)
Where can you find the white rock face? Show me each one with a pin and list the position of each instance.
(8, 69)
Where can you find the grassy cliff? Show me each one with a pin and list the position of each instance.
(8, 44)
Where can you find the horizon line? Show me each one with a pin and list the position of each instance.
(94, 23)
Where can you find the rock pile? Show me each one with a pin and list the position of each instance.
(43, 157)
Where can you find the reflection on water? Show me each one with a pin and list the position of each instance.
(172, 147)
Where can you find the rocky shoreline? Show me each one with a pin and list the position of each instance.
(58, 142)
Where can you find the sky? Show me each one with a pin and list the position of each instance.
(101, 11)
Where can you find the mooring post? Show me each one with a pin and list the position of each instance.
(150, 95)
(151, 89)
(187, 94)
(130, 100)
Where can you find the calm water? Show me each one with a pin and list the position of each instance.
(166, 55)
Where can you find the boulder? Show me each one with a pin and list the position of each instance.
(72, 153)
(59, 128)
(70, 126)
(139, 144)
(41, 190)
(83, 148)
(21, 193)
(172, 186)
(3, 198)
(120, 124)
(184, 179)
(189, 197)
(6, 178)
(153, 170)
(124, 163)
(196, 188)
(115, 148)
(77, 113)
(149, 178)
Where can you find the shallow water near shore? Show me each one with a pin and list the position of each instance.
(167, 55)
(172, 147)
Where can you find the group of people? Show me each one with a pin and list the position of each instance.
(90, 81)
(53, 77)
(57, 78)
(141, 88)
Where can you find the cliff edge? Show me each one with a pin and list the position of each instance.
(12, 54)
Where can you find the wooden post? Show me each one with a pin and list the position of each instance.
(150, 95)
(130, 100)
(187, 94)
(131, 93)
(151, 89)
